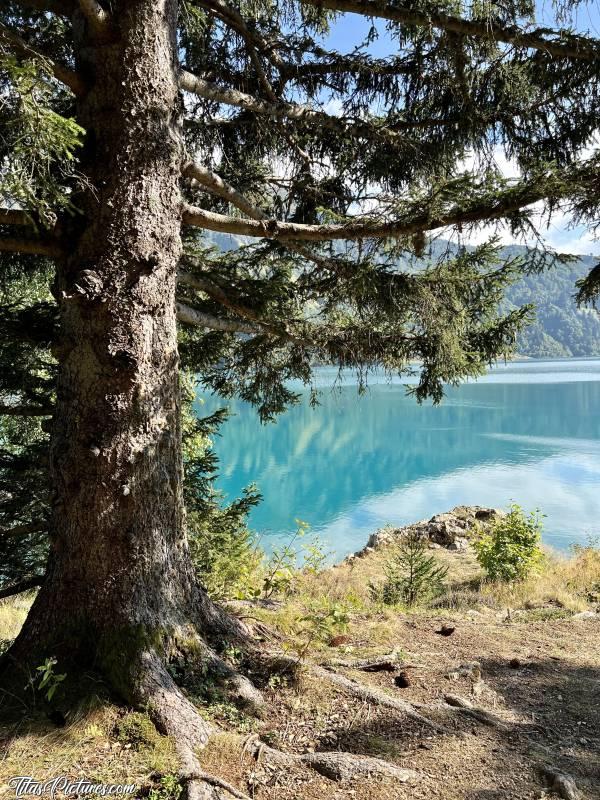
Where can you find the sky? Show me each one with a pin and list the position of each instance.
(350, 29)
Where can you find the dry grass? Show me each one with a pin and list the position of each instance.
(12, 615)
(572, 583)
(563, 585)
(90, 746)
(98, 745)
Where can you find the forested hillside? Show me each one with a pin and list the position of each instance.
(561, 328)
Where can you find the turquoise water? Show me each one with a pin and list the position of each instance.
(528, 431)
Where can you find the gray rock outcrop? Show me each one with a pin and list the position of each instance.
(450, 530)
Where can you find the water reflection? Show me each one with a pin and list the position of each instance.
(528, 432)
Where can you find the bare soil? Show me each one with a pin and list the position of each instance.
(541, 678)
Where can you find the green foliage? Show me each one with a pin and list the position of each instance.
(291, 559)
(224, 549)
(43, 143)
(49, 680)
(511, 549)
(404, 124)
(321, 621)
(411, 575)
(169, 788)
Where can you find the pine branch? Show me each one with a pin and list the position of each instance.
(191, 316)
(340, 65)
(35, 247)
(502, 205)
(25, 411)
(98, 18)
(63, 74)
(284, 111)
(200, 319)
(22, 586)
(236, 21)
(576, 47)
(24, 530)
(214, 184)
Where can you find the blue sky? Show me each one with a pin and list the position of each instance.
(350, 29)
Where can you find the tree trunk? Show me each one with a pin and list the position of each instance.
(119, 581)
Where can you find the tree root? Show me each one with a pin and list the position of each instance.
(175, 716)
(372, 695)
(464, 706)
(385, 664)
(337, 766)
(242, 690)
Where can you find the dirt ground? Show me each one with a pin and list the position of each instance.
(541, 678)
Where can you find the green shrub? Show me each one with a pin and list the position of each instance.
(510, 551)
(290, 560)
(169, 788)
(321, 621)
(411, 575)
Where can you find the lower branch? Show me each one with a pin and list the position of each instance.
(35, 247)
(22, 586)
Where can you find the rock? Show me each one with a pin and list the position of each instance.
(562, 783)
(460, 543)
(450, 530)
(471, 669)
(586, 615)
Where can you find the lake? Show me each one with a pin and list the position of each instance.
(528, 431)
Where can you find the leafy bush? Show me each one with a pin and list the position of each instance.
(224, 550)
(289, 561)
(411, 575)
(169, 788)
(511, 549)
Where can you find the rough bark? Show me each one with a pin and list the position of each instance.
(119, 582)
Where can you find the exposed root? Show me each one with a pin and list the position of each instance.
(336, 766)
(385, 664)
(372, 695)
(464, 706)
(172, 713)
(561, 783)
(201, 785)
(243, 691)
(175, 716)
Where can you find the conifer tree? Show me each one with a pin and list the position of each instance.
(130, 127)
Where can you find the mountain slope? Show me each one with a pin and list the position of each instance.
(561, 329)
